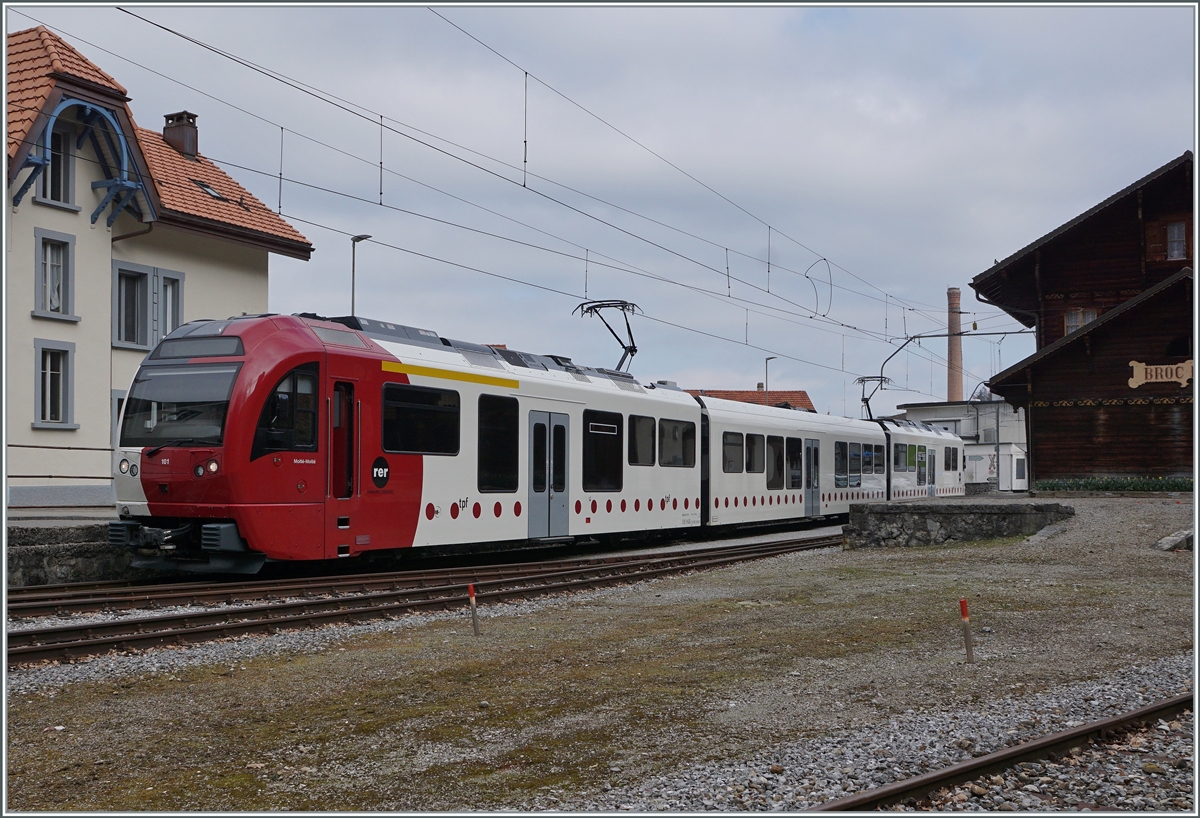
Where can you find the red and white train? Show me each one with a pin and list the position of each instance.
(280, 437)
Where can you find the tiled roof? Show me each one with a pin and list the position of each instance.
(33, 55)
(36, 55)
(797, 398)
(176, 177)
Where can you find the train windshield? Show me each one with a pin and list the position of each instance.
(178, 405)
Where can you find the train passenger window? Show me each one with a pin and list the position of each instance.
(840, 464)
(499, 443)
(288, 422)
(900, 458)
(855, 465)
(420, 420)
(732, 453)
(880, 465)
(774, 462)
(795, 463)
(912, 457)
(920, 465)
(641, 441)
(756, 461)
(602, 450)
(676, 443)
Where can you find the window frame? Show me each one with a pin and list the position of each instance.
(594, 479)
(511, 476)
(775, 460)
(629, 445)
(879, 452)
(67, 387)
(683, 425)
(1181, 242)
(1081, 314)
(40, 237)
(383, 404)
(68, 170)
(762, 453)
(798, 450)
(841, 464)
(154, 321)
(260, 448)
(727, 438)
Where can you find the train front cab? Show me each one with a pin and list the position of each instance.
(923, 461)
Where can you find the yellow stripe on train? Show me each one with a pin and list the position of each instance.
(450, 375)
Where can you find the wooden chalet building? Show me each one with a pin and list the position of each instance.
(1109, 391)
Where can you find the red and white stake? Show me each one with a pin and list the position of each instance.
(475, 616)
(962, 604)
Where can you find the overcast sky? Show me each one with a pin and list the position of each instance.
(908, 147)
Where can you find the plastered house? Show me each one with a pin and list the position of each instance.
(114, 235)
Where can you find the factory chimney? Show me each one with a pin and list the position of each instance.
(954, 373)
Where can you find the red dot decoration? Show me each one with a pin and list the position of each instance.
(454, 511)
(578, 507)
(429, 511)
(593, 506)
(517, 508)
(477, 510)
(608, 506)
(497, 509)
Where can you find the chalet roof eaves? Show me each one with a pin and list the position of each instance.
(978, 280)
(1086, 329)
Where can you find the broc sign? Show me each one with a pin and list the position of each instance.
(1166, 373)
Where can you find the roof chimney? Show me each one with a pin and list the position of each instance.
(181, 134)
(954, 373)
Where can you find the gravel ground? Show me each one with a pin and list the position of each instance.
(771, 685)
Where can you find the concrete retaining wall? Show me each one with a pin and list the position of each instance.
(876, 525)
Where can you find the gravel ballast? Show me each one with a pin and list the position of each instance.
(771, 685)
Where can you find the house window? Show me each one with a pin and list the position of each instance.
(132, 293)
(54, 281)
(53, 396)
(55, 184)
(147, 304)
(1074, 319)
(1176, 241)
(170, 306)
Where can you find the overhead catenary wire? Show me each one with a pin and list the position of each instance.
(868, 335)
(349, 107)
(850, 327)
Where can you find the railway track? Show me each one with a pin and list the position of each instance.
(349, 599)
(919, 788)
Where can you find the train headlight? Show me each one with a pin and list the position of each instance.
(133, 470)
(212, 467)
(123, 466)
(198, 471)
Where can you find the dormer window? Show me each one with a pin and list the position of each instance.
(55, 182)
(207, 188)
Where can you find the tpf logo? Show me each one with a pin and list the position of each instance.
(380, 472)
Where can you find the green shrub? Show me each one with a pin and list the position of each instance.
(1115, 484)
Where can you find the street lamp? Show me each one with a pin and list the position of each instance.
(767, 380)
(353, 247)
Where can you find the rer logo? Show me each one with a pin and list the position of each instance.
(379, 472)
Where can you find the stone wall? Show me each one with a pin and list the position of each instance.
(49, 555)
(875, 525)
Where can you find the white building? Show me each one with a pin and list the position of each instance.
(994, 437)
(114, 236)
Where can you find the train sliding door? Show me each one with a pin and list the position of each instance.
(812, 477)
(548, 494)
(343, 495)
